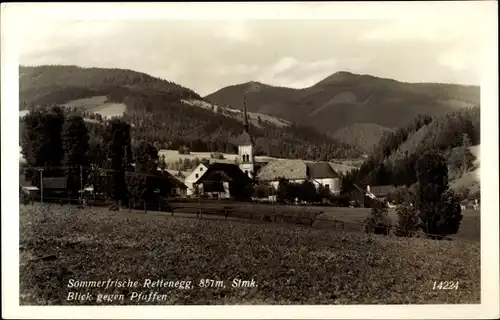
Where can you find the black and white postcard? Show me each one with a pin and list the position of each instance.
(250, 160)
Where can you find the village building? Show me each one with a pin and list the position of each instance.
(54, 188)
(298, 171)
(224, 181)
(193, 178)
(364, 196)
(246, 155)
(177, 187)
(223, 178)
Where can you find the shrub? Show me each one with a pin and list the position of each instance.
(447, 216)
(287, 191)
(401, 195)
(463, 193)
(216, 155)
(439, 207)
(307, 192)
(378, 221)
(262, 191)
(184, 150)
(408, 220)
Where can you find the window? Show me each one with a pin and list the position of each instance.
(196, 176)
(201, 169)
(327, 186)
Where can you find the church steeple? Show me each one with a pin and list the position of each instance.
(245, 145)
(245, 112)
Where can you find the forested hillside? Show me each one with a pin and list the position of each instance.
(157, 113)
(362, 135)
(344, 99)
(393, 160)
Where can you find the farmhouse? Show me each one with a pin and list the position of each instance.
(298, 171)
(193, 178)
(224, 180)
(364, 195)
(55, 188)
(380, 192)
(177, 187)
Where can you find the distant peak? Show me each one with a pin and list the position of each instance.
(344, 73)
(253, 86)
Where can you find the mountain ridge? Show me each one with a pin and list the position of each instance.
(345, 98)
(167, 113)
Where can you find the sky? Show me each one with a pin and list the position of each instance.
(206, 54)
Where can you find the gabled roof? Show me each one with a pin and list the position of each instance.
(380, 191)
(321, 170)
(289, 169)
(174, 181)
(224, 172)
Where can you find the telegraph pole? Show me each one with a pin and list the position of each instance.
(81, 185)
(41, 185)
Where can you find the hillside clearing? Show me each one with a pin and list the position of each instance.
(288, 265)
(253, 117)
(471, 179)
(98, 105)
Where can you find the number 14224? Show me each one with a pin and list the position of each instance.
(445, 285)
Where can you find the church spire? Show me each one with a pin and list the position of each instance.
(245, 111)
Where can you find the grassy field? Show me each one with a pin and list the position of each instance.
(253, 117)
(353, 217)
(472, 178)
(289, 265)
(98, 105)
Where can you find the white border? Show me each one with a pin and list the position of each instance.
(13, 14)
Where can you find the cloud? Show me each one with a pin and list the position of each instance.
(235, 31)
(240, 69)
(291, 72)
(455, 60)
(206, 55)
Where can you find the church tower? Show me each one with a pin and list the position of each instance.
(246, 146)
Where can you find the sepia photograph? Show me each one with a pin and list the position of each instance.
(239, 154)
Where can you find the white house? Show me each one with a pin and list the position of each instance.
(193, 177)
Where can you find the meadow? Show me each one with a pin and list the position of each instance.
(289, 264)
(99, 105)
(352, 218)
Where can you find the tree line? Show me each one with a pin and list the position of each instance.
(393, 160)
(64, 145)
(157, 114)
(431, 207)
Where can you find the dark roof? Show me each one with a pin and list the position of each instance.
(380, 191)
(54, 183)
(321, 170)
(224, 172)
(175, 182)
(244, 139)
